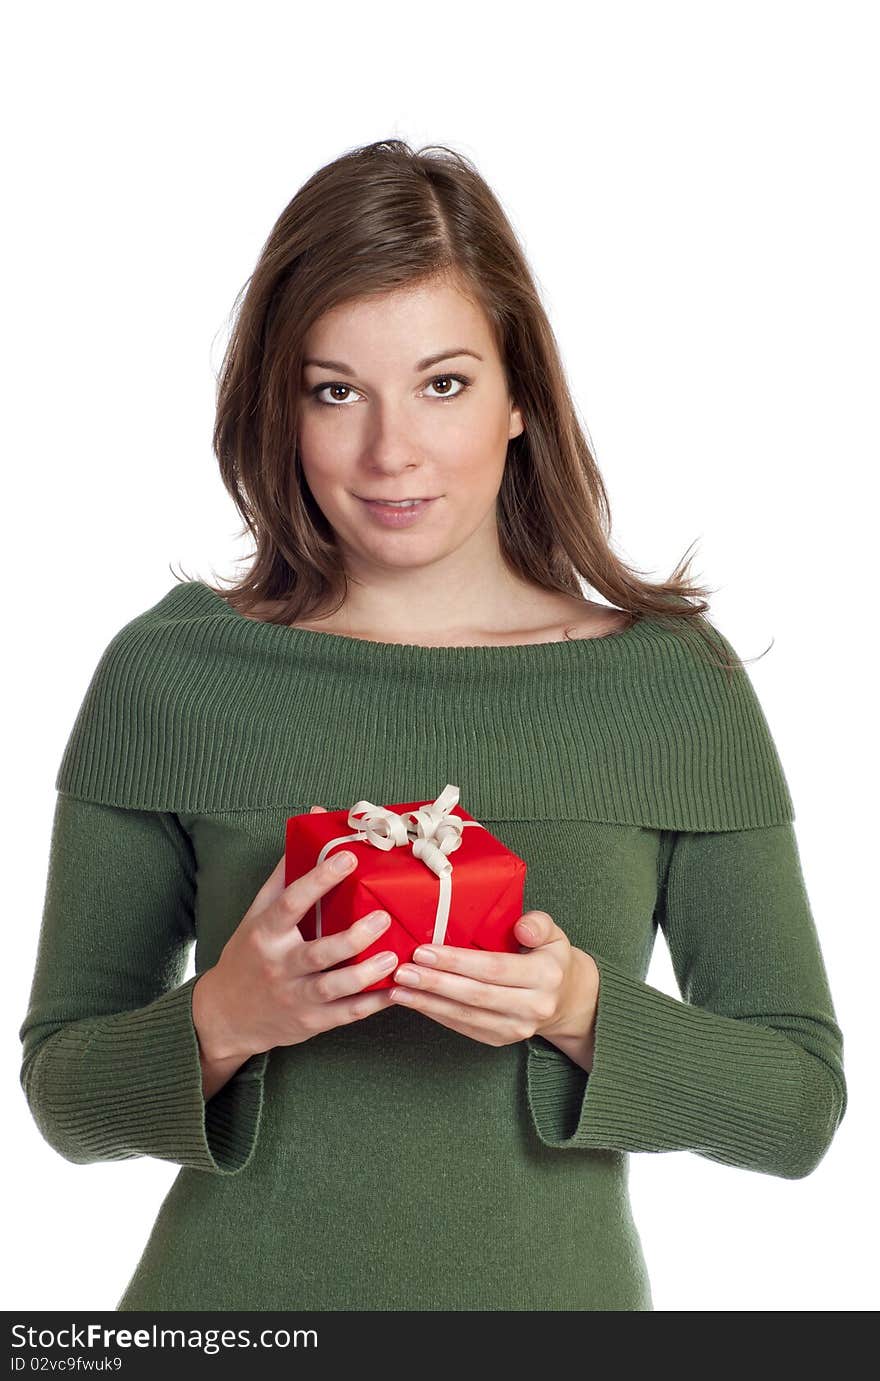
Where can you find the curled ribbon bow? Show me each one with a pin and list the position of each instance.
(433, 832)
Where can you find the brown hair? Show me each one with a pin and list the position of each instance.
(375, 219)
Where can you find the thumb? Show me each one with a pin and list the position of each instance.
(532, 929)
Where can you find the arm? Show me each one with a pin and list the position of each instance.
(747, 1070)
(215, 1072)
(111, 1064)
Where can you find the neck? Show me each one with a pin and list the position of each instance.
(446, 598)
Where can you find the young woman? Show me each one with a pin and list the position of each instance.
(395, 427)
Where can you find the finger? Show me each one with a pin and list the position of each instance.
(332, 984)
(300, 896)
(537, 928)
(274, 885)
(479, 1023)
(328, 950)
(472, 992)
(490, 966)
(348, 1009)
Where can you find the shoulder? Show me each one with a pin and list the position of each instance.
(148, 680)
(702, 706)
(163, 626)
(591, 620)
(139, 655)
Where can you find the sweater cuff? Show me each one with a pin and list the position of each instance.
(130, 1085)
(668, 1075)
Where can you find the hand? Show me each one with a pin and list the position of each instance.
(271, 987)
(549, 989)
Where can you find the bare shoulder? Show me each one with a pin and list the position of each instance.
(592, 620)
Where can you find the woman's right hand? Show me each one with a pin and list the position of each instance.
(271, 987)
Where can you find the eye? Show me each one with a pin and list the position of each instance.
(455, 378)
(319, 389)
(346, 388)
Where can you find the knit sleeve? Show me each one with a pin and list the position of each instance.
(110, 1056)
(747, 1069)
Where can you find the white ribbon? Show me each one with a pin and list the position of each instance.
(433, 832)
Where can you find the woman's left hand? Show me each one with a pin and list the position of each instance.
(549, 989)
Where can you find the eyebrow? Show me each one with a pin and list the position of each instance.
(419, 365)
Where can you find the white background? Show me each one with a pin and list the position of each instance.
(695, 185)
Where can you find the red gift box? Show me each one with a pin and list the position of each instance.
(405, 867)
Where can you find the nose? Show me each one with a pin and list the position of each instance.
(383, 475)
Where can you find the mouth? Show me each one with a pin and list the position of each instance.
(396, 503)
(397, 512)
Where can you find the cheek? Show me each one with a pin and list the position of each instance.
(324, 462)
(473, 454)
(474, 476)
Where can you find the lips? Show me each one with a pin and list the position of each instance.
(399, 515)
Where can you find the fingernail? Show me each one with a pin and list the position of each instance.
(341, 863)
(377, 920)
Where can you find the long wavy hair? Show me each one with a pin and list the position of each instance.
(375, 219)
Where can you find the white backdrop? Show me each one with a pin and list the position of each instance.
(696, 188)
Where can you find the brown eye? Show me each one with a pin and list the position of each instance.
(326, 388)
(446, 379)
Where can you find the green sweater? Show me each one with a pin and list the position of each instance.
(392, 1163)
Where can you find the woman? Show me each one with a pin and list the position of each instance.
(452, 1133)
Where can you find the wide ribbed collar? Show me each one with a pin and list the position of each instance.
(194, 707)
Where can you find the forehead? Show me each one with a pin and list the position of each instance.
(401, 329)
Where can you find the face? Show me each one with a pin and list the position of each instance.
(404, 396)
